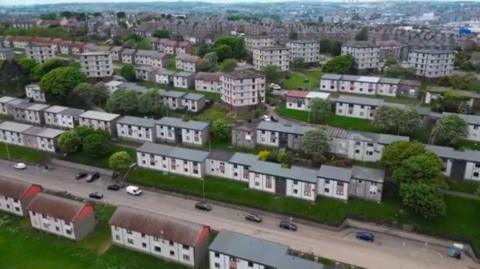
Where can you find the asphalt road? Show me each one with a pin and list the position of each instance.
(386, 253)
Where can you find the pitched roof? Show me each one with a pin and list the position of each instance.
(91, 114)
(370, 174)
(174, 94)
(296, 94)
(208, 76)
(14, 126)
(180, 123)
(331, 76)
(220, 155)
(360, 100)
(333, 172)
(193, 96)
(174, 152)
(469, 119)
(161, 226)
(188, 58)
(451, 153)
(13, 188)
(137, 121)
(284, 127)
(43, 132)
(57, 207)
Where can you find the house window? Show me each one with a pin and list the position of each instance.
(157, 249)
(185, 247)
(130, 241)
(217, 255)
(250, 264)
(172, 253)
(144, 245)
(186, 257)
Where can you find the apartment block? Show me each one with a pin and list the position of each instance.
(365, 54)
(308, 51)
(40, 52)
(276, 56)
(432, 63)
(97, 64)
(252, 42)
(242, 89)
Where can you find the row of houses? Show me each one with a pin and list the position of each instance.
(160, 236)
(58, 45)
(27, 135)
(299, 182)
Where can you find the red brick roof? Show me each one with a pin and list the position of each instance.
(296, 93)
(60, 208)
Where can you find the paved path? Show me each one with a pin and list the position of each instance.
(386, 253)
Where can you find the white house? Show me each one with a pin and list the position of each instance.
(163, 237)
(163, 76)
(458, 164)
(357, 107)
(127, 56)
(5, 101)
(15, 195)
(172, 99)
(62, 117)
(28, 112)
(218, 164)
(60, 216)
(143, 72)
(187, 62)
(12, 132)
(183, 80)
(333, 181)
(151, 58)
(41, 138)
(174, 130)
(136, 129)
(193, 102)
(276, 134)
(302, 100)
(234, 250)
(208, 82)
(176, 160)
(34, 92)
(99, 120)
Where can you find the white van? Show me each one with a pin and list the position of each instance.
(133, 190)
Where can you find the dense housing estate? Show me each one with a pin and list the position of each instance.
(365, 54)
(307, 50)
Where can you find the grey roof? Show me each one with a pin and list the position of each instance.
(143, 68)
(244, 159)
(469, 119)
(331, 76)
(97, 115)
(359, 44)
(174, 152)
(72, 111)
(390, 80)
(116, 48)
(128, 51)
(360, 100)
(185, 124)
(165, 72)
(350, 77)
(451, 153)
(259, 251)
(184, 74)
(244, 74)
(43, 132)
(284, 128)
(336, 173)
(220, 155)
(55, 109)
(175, 94)
(137, 121)
(147, 53)
(188, 58)
(369, 174)
(193, 96)
(14, 126)
(132, 87)
(294, 172)
(7, 99)
(384, 139)
(31, 106)
(433, 51)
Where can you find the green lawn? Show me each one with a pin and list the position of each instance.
(334, 120)
(309, 80)
(83, 158)
(465, 186)
(23, 154)
(171, 65)
(460, 223)
(22, 247)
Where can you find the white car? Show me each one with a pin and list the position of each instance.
(133, 190)
(20, 166)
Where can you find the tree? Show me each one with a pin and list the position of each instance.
(220, 129)
(128, 72)
(228, 65)
(42, 69)
(209, 62)
(478, 192)
(426, 168)
(396, 120)
(69, 142)
(298, 63)
(398, 71)
(272, 74)
(223, 52)
(124, 102)
(325, 45)
(449, 130)
(150, 104)
(424, 199)
(60, 81)
(293, 35)
(362, 35)
(319, 110)
(161, 34)
(27, 64)
(236, 44)
(395, 153)
(143, 44)
(263, 155)
(120, 161)
(97, 145)
(92, 95)
(339, 64)
(48, 16)
(335, 48)
(315, 145)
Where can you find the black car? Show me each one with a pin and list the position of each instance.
(253, 218)
(93, 177)
(365, 236)
(287, 225)
(80, 175)
(203, 206)
(114, 187)
(95, 195)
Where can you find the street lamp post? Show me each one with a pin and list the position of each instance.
(8, 151)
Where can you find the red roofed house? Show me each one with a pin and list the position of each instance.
(68, 218)
(301, 100)
(15, 195)
(161, 236)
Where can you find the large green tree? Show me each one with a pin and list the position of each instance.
(223, 52)
(150, 104)
(272, 73)
(59, 82)
(209, 62)
(69, 142)
(228, 65)
(449, 130)
(97, 145)
(92, 95)
(42, 69)
(128, 72)
(220, 129)
(424, 167)
(120, 161)
(398, 71)
(161, 33)
(396, 120)
(424, 199)
(395, 153)
(319, 110)
(315, 145)
(362, 35)
(236, 45)
(339, 64)
(124, 102)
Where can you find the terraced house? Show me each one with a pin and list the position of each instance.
(28, 112)
(207, 82)
(151, 58)
(33, 92)
(458, 165)
(136, 129)
(62, 117)
(357, 107)
(99, 120)
(187, 62)
(15, 195)
(174, 130)
(281, 135)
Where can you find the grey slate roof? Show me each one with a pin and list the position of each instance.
(184, 74)
(284, 128)
(193, 96)
(360, 100)
(174, 152)
(179, 123)
(469, 119)
(384, 139)
(390, 80)
(244, 159)
(259, 251)
(220, 155)
(97, 115)
(43, 132)
(451, 153)
(294, 172)
(336, 173)
(369, 174)
(137, 121)
(331, 76)
(174, 94)
(14, 126)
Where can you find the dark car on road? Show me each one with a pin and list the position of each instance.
(113, 187)
(287, 225)
(95, 195)
(365, 236)
(253, 217)
(203, 206)
(92, 177)
(80, 175)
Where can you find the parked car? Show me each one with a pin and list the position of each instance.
(80, 175)
(253, 217)
(93, 176)
(287, 225)
(133, 190)
(96, 195)
(265, 118)
(20, 166)
(203, 206)
(365, 236)
(113, 187)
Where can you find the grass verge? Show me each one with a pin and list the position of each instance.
(464, 186)
(22, 154)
